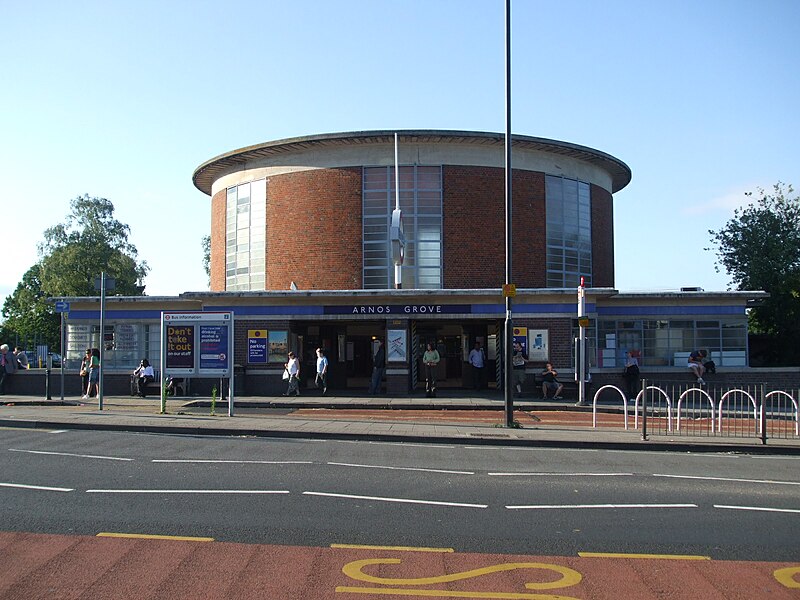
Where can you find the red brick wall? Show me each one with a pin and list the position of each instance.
(602, 238)
(474, 227)
(218, 203)
(314, 230)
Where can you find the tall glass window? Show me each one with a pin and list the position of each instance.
(421, 203)
(245, 236)
(569, 232)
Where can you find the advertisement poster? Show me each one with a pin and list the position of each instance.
(214, 347)
(180, 347)
(538, 345)
(521, 338)
(257, 346)
(279, 346)
(396, 348)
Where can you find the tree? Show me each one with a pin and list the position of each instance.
(760, 249)
(72, 255)
(207, 257)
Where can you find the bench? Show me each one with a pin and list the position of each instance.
(570, 386)
(152, 388)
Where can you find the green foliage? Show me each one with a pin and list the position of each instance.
(207, 256)
(72, 255)
(760, 249)
(29, 317)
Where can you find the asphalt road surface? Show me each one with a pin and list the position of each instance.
(598, 523)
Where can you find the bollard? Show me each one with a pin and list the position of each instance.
(644, 410)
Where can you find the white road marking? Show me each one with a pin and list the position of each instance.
(71, 454)
(562, 474)
(36, 487)
(759, 508)
(568, 506)
(400, 500)
(236, 462)
(59, 431)
(187, 491)
(731, 479)
(338, 464)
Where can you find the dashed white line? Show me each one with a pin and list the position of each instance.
(731, 479)
(338, 464)
(236, 462)
(71, 454)
(582, 506)
(759, 508)
(546, 474)
(36, 487)
(187, 491)
(59, 431)
(399, 500)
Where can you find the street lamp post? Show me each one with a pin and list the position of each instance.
(509, 327)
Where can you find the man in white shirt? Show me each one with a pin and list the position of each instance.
(478, 362)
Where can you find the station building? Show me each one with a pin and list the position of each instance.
(302, 254)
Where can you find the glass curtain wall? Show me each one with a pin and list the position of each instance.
(569, 232)
(663, 342)
(245, 236)
(421, 203)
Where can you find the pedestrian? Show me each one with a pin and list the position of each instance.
(8, 366)
(631, 375)
(144, 374)
(550, 382)
(94, 374)
(378, 368)
(431, 360)
(321, 379)
(293, 368)
(695, 364)
(478, 362)
(518, 359)
(22, 358)
(84, 371)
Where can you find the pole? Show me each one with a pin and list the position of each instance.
(581, 370)
(63, 356)
(509, 327)
(102, 336)
(644, 410)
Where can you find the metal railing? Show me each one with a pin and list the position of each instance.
(692, 410)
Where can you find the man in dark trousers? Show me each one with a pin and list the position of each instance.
(378, 367)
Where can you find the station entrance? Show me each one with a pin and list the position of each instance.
(351, 346)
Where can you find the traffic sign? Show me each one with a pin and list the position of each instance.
(509, 290)
(62, 307)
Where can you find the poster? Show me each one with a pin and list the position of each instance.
(396, 351)
(214, 347)
(278, 346)
(521, 338)
(257, 346)
(539, 345)
(180, 347)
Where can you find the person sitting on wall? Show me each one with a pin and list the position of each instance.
(144, 374)
(551, 383)
(22, 358)
(695, 364)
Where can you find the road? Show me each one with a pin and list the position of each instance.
(310, 497)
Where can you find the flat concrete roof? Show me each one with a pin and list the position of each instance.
(208, 172)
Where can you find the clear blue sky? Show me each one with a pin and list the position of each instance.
(125, 99)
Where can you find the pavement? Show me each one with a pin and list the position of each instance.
(456, 416)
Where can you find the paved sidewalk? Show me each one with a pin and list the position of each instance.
(309, 416)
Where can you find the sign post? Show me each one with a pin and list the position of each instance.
(580, 351)
(62, 307)
(197, 344)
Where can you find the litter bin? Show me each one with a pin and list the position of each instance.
(238, 380)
